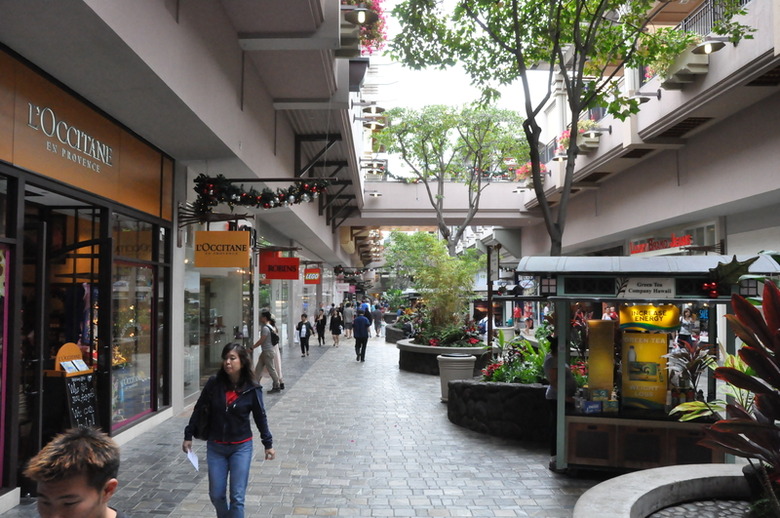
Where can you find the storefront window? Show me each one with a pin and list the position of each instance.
(3, 206)
(131, 364)
(218, 304)
(3, 333)
(132, 238)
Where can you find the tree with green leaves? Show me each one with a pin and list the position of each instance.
(442, 144)
(446, 283)
(584, 44)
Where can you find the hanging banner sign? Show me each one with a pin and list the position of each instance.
(644, 371)
(650, 318)
(273, 266)
(221, 249)
(311, 276)
(341, 287)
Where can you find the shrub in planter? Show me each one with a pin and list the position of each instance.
(519, 360)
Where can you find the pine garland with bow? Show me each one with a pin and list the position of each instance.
(213, 191)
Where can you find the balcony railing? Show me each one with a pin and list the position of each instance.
(703, 19)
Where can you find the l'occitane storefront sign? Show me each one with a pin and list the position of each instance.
(221, 249)
(644, 317)
(48, 131)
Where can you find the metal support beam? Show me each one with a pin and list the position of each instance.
(331, 163)
(337, 213)
(337, 171)
(330, 141)
(348, 214)
(332, 198)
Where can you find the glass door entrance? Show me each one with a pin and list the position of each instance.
(60, 279)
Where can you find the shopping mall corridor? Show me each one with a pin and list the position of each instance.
(352, 440)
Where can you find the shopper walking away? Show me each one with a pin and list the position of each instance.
(76, 475)
(267, 357)
(320, 323)
(336, 324)
(228, 399)
(377, 317)
(349, 317)
(304, 331)
(360, 327)
(277, 358)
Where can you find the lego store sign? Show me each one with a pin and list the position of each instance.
(311, 276)
(221, 249)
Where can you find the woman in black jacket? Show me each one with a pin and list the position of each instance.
(228, 399)
(320, 323)
(336, 323)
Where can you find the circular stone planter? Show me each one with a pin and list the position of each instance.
(422, 358)
(393, 333)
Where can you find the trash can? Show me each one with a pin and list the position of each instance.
(454, 366)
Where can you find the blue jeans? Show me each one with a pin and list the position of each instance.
(224, 459)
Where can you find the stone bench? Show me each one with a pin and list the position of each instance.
(641, 493)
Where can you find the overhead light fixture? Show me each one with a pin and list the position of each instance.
(373, 111)
(644, 97)
(374, 123)
(374, 194)
(360, 15)
(354, 103)
(710, 44)
(595, 132)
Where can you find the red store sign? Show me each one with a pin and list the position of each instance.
(652, 244)
(311, 276)
(273, 266)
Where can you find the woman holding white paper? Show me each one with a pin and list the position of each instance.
(230, 398)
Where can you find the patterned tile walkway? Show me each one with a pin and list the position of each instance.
(352, 440)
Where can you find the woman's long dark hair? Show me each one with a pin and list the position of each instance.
(247, 373)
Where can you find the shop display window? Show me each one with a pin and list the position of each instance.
(133, 300)
(4, 262)
(3, 206)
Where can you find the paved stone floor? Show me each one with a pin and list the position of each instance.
(352, 440)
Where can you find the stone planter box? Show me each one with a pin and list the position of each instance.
(509, 410)
(422, 358)
(587, 143)
(393, 334)
(684, 69)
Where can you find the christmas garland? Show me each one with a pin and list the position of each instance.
(212, 191)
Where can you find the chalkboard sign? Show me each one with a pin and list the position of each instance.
(82, 400)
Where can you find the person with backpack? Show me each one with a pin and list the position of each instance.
(267, 357)
(304, 330)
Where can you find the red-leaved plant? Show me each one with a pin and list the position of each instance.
(754, 433)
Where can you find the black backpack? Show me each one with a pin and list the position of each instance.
(274, 336)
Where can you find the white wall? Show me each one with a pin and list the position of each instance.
(729, 169)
